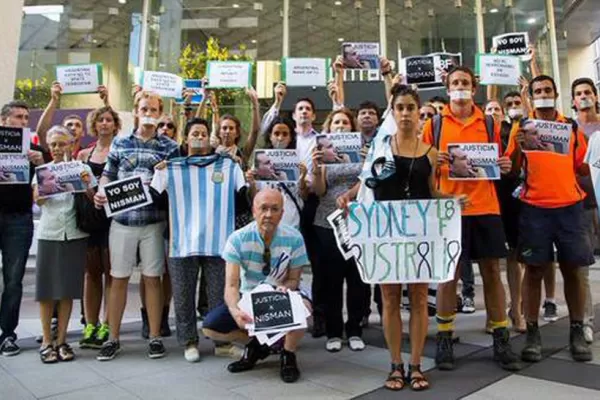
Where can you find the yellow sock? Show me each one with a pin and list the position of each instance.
(496, 325)
(445, 323)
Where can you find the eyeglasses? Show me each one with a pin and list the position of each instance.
(425, 116)
(169, 125)
(267, 260)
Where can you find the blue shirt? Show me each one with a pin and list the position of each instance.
(245, 247)
(130, 156)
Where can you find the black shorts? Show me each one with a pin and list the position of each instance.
(542, 228)
(482, 238)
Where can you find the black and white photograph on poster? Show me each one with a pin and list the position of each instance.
(474, 161)
(513, 44)
(14, 169)
(273, 311)
(65, 177)
(14, 140)
(340, 148)
(361, 55)
(549, 136)
(337, 220)
(276, 165)
(126, 195)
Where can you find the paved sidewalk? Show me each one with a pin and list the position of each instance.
(343, 375)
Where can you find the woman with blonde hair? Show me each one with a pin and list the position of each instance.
(103, 124)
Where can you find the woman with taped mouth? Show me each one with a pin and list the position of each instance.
(414, 178)
(329, 181)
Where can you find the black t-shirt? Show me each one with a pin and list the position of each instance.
(19, 198)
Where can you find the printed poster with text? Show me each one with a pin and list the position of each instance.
(163, 83)
(474, 161)
(408, 241)
(539, 135)
(513, 44)
(305, 71)
(65, 177)
(496, 69)
(79, 78)
(229, 74)
(426, 70)
(276, 165)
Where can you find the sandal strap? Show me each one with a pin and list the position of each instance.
(47, 349)
(397, 367)
(415, 368)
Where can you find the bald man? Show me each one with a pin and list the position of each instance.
(263, 251)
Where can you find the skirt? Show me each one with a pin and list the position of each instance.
(59, 269)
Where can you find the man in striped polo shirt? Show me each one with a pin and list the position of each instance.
(262, 252)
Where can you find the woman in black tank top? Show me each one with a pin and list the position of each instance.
(414, 178)
(104, 124)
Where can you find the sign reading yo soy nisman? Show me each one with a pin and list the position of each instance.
(408, 241)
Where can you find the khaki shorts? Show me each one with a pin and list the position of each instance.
(124, 242)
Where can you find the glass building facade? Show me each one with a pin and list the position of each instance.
(130, 35)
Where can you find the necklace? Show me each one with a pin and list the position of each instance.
(410, 168)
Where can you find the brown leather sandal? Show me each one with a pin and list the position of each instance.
(48, 355)
(417, 383)
(393, 379)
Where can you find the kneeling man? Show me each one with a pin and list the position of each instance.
(262, 252)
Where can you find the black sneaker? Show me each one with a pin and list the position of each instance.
(444, 355)
(532, 352)
(289, 368)
(580, 349)
(318, 329)
(109, 351)
(9, 347)
(253, 352)
(550, 311)
(156, 349)
(503, 353)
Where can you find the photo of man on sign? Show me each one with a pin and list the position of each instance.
(265, 170)
(461, 166)
(331, 155)
(532, 139)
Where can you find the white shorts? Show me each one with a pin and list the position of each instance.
(124, 242)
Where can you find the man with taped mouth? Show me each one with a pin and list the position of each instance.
(264, 251)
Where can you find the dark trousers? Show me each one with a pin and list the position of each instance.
(319, 291)
(16, 233)
(336, 270)
(467, 277)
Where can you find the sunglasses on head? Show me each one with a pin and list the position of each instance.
(267, 260)
(425, 116)
(169, 125)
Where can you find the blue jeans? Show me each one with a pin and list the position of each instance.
(16, 233)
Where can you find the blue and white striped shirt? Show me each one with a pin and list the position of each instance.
(201, 192)
(246, 247)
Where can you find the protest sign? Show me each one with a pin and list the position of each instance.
(512, 44)
(229, 74)
(14, 169)
(79, 78)
(276, 165)
(408, 241)
(273, 312)
(65, 177)
(126, 195)
(592, 158)
(494, 69)
(14, 140)
(474, 161)
(340, 148)
(163, 83)
(197, 85)
(550, 136)
(426, 70)
(305, 71)
(361, 55)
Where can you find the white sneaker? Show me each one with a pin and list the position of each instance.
(356, 344)
(334, 345)
(588, 334)
(191, 353)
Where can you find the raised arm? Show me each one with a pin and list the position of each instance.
(386, 72)
(338, 68)
(253, 135)
(45, 122)
(535, 69)
(279, 93)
